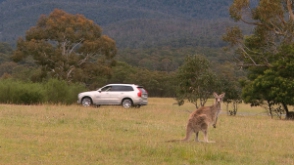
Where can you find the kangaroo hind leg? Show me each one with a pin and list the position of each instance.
(197, 137)
(206, 137)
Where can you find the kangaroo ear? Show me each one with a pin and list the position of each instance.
(223, 95)
(215, 94)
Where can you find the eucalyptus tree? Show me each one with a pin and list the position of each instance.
(196, 81)
(69, 47)
(267, 51)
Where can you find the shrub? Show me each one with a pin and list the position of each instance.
(53, 91)
(61, 92)
(19, 92)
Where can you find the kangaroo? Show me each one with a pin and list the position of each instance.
(200, 119)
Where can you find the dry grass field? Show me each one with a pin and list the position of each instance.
(109, 135)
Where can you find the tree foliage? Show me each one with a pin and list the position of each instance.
(267, 53)
(68, 47)
(6, 66)
(228, 82)
(271, 29)
(157, 83)
(274, 85)
(196, 81)
(5, 51)
(168, 58)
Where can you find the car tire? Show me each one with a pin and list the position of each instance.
(86, 102)
(127, 103)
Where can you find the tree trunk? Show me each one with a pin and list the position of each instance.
(286, 110)
(270, 108)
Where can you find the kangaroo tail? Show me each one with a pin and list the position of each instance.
(188, 134)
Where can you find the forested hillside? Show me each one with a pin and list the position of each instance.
(141, 29)
(150, 22)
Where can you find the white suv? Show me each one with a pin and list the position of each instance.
(127, 95)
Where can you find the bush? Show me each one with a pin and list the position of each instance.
(59, 91)
(18, 92)
(53, 91)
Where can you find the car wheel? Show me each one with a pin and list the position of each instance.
(127, 103)
(86, 102)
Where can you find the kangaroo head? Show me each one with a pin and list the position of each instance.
(218, 98)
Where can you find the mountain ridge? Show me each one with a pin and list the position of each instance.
(17, 16)
(154, 34)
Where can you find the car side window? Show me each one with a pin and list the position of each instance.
(115, 89)
(119, 88)
(128, 88)
(105, 89)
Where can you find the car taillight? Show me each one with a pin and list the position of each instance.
(139, 93)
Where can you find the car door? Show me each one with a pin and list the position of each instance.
(115, 94)
(103, 96)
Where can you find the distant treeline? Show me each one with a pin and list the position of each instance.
(153, 68)
(169, 58)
